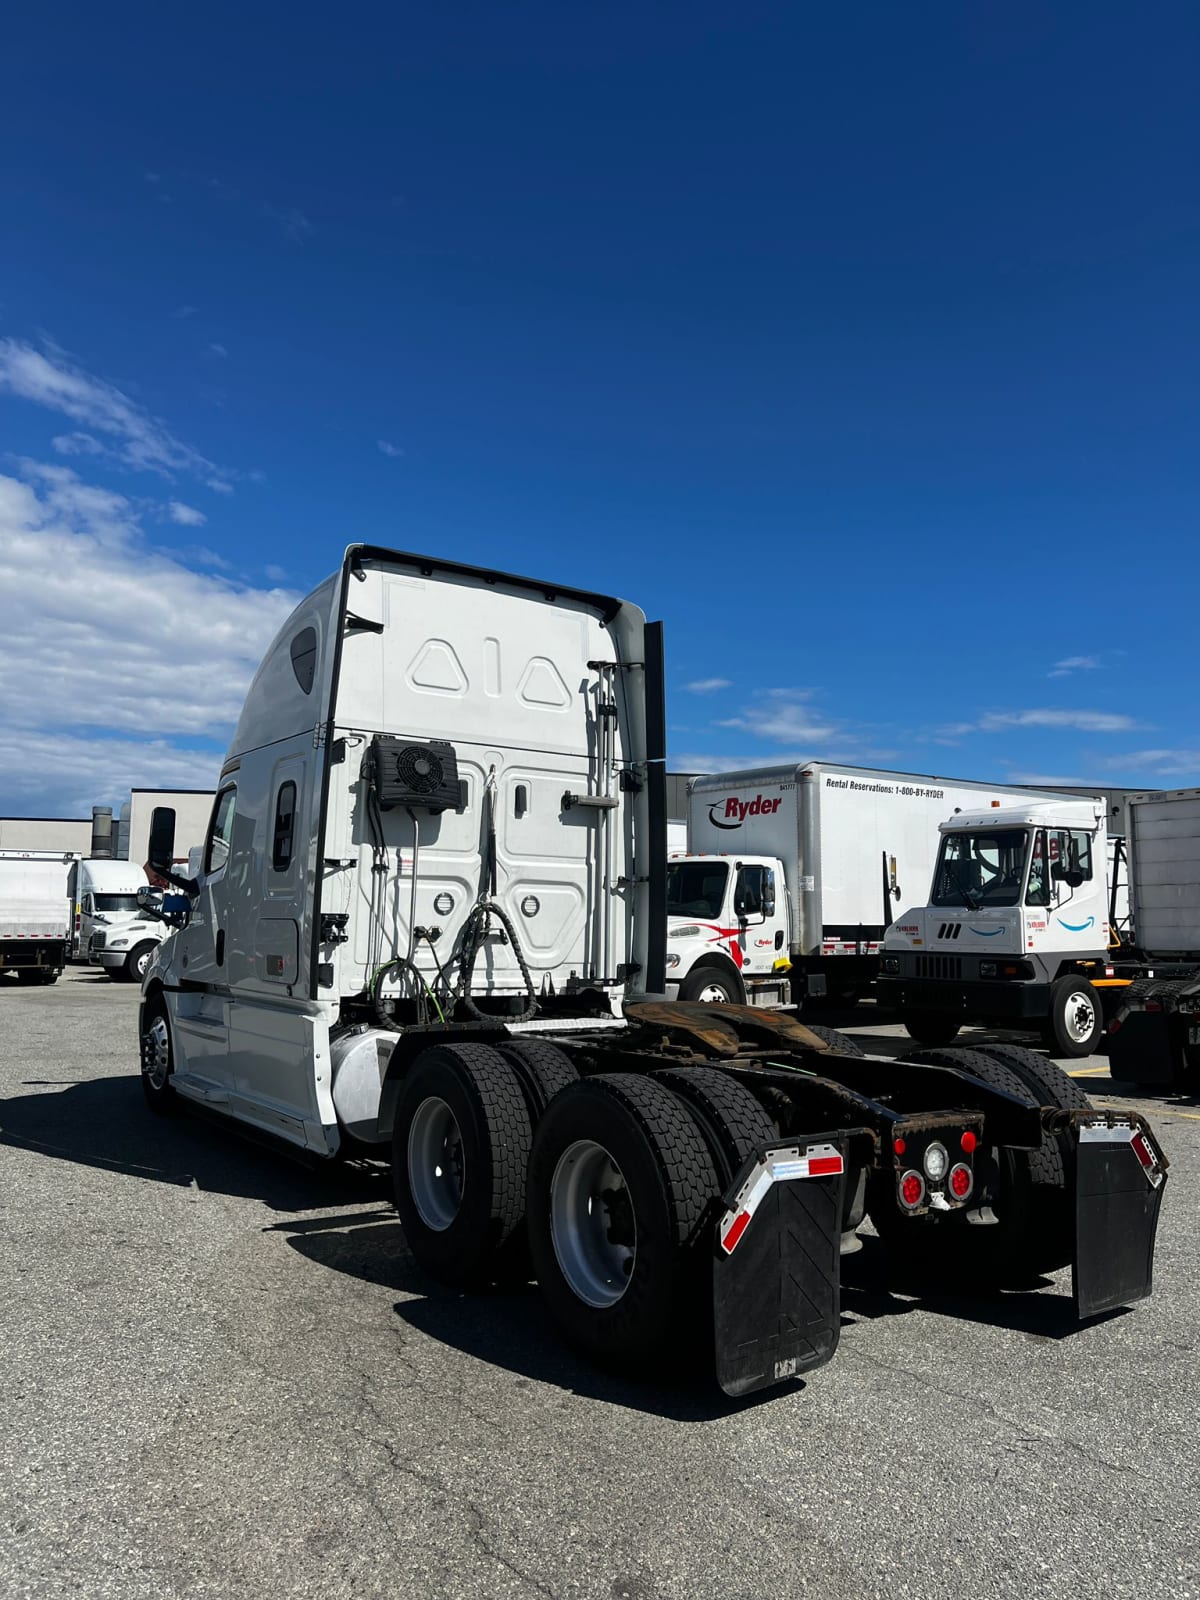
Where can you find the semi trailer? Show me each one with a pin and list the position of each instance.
(793, 874)
(35, 924)
(1024, 929)
(429, 924)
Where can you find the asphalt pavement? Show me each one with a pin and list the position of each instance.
(222, 1375)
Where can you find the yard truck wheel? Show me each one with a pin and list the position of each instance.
(542, 1070)
(930, 1027)
(1076, 1019)
(710, 983)
(1031, 1205)
(459, 1151)
(620, 1184)
(158, 1059)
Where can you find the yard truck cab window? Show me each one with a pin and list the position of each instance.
(981, 868)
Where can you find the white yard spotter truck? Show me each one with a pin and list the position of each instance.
(430, 921)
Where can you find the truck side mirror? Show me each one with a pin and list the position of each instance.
(162, 838)
(149, 900)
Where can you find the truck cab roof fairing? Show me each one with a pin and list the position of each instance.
(278, 705)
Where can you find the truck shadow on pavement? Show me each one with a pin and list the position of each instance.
(104, 1123)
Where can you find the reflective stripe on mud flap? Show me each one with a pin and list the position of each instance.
(1120, 1174)
(777, 1265)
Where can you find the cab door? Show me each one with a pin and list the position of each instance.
(202, 1014)
(761, 936)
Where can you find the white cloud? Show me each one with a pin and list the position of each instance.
(218, 485)
(115, 659)
(186, 516)
(1070, 664)
(49, 378)
(77, 444)
(276, 574)
(218, 350)
(294, 224)
(1003, 721)
(1159, 763)
(708, 685)
(783, 716)
(388, 448)
(184, 311)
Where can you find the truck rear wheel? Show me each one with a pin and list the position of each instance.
(1076, 1019)
(732, 1121)
(837, 1041)
(930, 1027)
(1032, 1206)
(459, 1151)
(620, 1183)
(542, 1070)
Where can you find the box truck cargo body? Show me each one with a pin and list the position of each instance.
(835, 849)
(35, 922)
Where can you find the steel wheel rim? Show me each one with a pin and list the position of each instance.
(142, 962)
(589, 1203)
(1080, 1017)
(156, 1053)
(712, 994)
(435, 1164)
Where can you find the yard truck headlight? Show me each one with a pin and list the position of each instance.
(987, 969)
(690, 932)
(890, 963)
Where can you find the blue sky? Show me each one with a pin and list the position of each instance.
(860, 344)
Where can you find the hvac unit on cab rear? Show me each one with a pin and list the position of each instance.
(405, 772)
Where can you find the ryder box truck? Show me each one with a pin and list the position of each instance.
(793, 875)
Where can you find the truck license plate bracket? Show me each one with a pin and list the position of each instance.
(1119, 1181)
(776, 1274)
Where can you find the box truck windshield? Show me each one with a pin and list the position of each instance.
(112, 903)
(696, 888)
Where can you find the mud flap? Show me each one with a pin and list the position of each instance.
(1120, 1174)
(777, 1265)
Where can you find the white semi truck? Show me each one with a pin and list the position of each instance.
(430, 923)
(1022, 930)
(110, 930)
(35, 923)
(793, 874)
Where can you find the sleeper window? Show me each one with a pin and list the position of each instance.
(284, 832)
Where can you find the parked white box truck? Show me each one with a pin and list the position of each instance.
(429, 922)
(793, 874)
(35, 923)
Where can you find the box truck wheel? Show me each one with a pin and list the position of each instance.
(1024, 1191)
(930, 1027)
(158, 1063)
(460, 1146)
(620, 1181)
(1076, 1020)
(136, 962)
(712, 983)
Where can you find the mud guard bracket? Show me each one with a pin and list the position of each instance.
(1120, 1174)
(776, 1274)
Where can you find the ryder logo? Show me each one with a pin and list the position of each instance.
(733, 812)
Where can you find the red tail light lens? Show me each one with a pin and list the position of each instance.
(912, 1190)
(899, 1146)
(961, 1181)
(968, 1141)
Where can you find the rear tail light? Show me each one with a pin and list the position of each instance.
(912, 1189)
(961, 1181)
(968, 1141)
(935, 1161)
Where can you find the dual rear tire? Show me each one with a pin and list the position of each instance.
(605, 1187)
